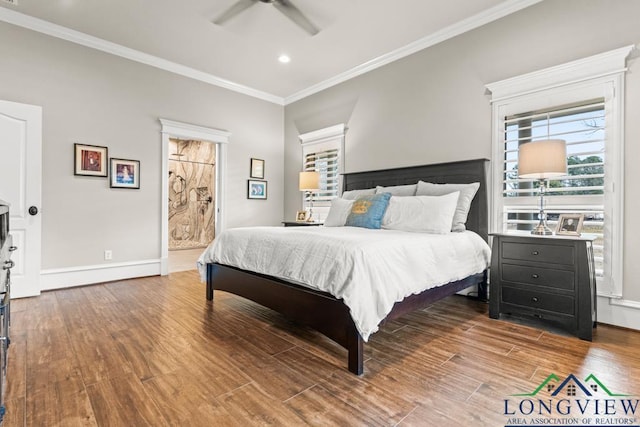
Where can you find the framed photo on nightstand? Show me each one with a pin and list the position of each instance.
(569, 224)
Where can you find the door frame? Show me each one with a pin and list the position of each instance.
(173, 129)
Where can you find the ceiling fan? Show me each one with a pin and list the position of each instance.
(284, 6)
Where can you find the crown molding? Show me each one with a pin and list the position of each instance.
(503, 9)
(58, 31)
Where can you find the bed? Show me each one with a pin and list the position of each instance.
(330, 315)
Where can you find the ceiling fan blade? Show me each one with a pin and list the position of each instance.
(234, 10)
(294, 14)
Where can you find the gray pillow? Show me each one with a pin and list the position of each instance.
(354, 194)
(398, 190)
(467, 192)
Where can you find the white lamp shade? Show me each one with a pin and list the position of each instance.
(542, 159)
(309, 181)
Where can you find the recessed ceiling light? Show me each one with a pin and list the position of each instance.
(284, 59)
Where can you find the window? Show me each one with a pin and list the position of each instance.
(583, 127)
(581, 102)
(321, 152)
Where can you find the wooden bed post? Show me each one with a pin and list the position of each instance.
(483, 286)
(209, 282)
(355, 347)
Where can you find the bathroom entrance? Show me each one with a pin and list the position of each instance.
(191, 200)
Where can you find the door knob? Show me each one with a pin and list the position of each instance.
(33, 211)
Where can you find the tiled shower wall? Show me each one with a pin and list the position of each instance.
(191, 194)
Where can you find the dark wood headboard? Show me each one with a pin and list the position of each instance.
(462, 172)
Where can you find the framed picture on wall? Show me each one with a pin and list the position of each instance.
(90, 160)
(257, 169)
(256, 189)
(125, 173)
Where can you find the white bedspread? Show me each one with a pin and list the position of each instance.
(369, 269)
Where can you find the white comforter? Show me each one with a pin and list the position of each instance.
(369, 269)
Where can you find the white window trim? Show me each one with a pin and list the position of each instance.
(603, 73)
(173, 129)
(328, 135)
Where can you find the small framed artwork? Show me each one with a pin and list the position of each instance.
(90, 160)
(256, 189)
(125, 173)
(570, 224)
(257, 169)
(302, 216)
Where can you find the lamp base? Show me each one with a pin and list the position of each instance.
(542, 230)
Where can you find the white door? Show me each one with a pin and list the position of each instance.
(20, 185)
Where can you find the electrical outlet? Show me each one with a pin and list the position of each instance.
(108, 254)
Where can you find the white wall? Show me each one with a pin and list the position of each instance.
(432, 106)
(95, 98)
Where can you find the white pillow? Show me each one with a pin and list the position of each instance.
(398, 190)
(354, 194)
(467, 192)
(423, 214)
(338, 213)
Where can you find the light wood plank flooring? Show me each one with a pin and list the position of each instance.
(154, 352)
(184, 259)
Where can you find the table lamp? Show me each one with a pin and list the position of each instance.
(309, 182)
(542, 160)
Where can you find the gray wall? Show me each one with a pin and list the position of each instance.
(95, 98)
(432, 106)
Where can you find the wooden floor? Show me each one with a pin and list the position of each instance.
(154, 352)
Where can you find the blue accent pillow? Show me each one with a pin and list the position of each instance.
(367, 211)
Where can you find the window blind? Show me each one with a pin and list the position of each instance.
(582, 126)
(325, 162)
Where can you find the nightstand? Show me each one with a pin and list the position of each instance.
(300, 223)
(546, 277)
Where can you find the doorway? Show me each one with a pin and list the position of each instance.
(191, 201)
(211, 139)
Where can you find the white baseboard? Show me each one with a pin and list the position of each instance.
(619, 312)
(60, 278)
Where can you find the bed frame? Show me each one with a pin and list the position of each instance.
(329, 315)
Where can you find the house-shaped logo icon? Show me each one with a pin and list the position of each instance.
(571, 386)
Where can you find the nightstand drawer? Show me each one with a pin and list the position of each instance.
(554, 254)
(539, 276)
(539, 300)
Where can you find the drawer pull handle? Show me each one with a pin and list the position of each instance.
(535, 276)
(8, 265)
(535, 253)
(534, 299)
